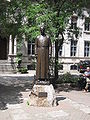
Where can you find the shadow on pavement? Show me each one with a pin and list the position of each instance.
(10, 91)
(59, 98)
(65, 87)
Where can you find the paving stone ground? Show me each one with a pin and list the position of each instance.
(14, 102)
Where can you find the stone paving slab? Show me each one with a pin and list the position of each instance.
(4, 115)
(80, 97)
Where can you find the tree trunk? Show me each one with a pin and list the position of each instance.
(56, 59)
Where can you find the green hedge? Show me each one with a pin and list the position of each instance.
(23, 70)
(67, 78)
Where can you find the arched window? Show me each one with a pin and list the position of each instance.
(74, 21)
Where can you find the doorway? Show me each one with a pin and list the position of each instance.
(3, 48)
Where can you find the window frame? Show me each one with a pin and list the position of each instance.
(73, 67)
(87, 49)
(60, 50)
(73, 48)
(74, 22)
(31, 50)
(87, 24)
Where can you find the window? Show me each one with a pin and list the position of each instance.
(73, 67)
(87, 24)
(74, 21)
(31, 48)
(87, 49)
(60, 51)
(73, 47)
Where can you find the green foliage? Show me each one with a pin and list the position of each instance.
(22, 70)
(28, 103)
(67, 78)
(25, 17)
(19, 54)
(19, 57)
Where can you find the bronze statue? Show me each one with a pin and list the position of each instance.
(43, 51)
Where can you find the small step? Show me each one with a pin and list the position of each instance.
(7, 68)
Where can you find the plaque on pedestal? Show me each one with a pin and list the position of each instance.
(43, 96)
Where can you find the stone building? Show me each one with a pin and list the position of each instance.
(74, 48)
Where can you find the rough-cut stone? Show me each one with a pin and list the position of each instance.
(42, 95)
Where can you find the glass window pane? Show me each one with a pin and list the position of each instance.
(60, 51)
(87, 48)
(73, 47)
(87, 24)
(31, 48)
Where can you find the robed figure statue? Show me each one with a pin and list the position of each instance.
(43, 52)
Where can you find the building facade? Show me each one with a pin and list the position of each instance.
(77, 47)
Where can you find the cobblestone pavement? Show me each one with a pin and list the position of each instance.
(14, 105)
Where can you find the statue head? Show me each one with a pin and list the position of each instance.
(42, 30)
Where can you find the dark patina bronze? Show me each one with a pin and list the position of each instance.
(43, 51)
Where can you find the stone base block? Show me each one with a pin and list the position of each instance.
(43, 96)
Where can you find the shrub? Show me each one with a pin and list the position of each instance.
(22, 70)
(19, 60)
(67, 78)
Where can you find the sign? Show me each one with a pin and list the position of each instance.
(42, 94)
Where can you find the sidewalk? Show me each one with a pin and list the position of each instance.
(30, 73)
(73, 105)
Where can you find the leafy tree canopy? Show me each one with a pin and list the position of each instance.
(25, 17)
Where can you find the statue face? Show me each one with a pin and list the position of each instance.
(42, 29)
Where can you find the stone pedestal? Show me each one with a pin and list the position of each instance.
(43, 96)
